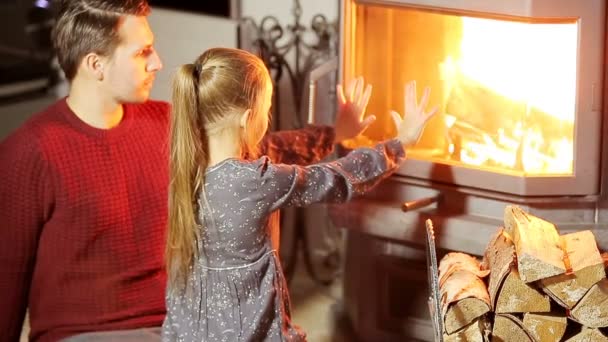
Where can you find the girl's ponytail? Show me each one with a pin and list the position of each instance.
(188, 157)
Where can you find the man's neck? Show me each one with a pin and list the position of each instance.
(92, 107)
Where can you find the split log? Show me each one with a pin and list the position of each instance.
(473, 332)
(588, 335)
(587, 269)
(537, 244)
(592, 309)
(464, 296)
(508, 328)
(515, 296)
(498, 258)
(508, 293)
(545, 327)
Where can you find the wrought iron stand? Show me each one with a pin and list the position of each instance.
(275, 44)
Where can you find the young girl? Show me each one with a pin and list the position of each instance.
(225, 279)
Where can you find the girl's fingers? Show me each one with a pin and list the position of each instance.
(425, 97)
(358, 90)
(340, 92)
(350, 89)
(396, 119)
(431, 113)
(365, 99)
(410, 99)
(368, 121)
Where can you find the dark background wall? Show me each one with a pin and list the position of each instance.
(13, 17)
(216, 7)
(12, 23)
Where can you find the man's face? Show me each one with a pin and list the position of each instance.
(133, 65)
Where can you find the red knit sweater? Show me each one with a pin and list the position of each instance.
(83, 215)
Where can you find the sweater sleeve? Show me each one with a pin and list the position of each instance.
(336, 181)
(302, 147)
(25, 195)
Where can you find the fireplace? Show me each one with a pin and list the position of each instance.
(520, 86)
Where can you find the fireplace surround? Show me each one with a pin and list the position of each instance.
(520, 85)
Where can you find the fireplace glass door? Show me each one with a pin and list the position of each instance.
(507, 87)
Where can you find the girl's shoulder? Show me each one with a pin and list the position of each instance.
(250, 167)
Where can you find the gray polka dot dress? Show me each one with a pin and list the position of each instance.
(236, 290)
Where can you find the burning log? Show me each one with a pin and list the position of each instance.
(537, 245)
(592, 310)
(545, 327)
(509, 328)
(481, 106)
(463, 292)
(587, 335)
(508, 293)
(587, 270)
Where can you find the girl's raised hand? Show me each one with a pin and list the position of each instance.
(350, 121)
(411, 126)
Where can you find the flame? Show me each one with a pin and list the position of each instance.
(529, 64)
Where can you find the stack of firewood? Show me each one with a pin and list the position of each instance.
(532, 285)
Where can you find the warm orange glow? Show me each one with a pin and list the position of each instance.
(507, 90)
(530, 64)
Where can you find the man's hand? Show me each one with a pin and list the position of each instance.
(351, 109)
(409, 129)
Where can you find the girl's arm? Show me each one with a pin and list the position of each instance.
(291, 185)
(356, 173)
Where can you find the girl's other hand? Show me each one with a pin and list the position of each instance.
(411, 126)
(351, 109)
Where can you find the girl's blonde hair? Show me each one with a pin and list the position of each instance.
(207, 95)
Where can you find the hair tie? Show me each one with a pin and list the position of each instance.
(197, 68)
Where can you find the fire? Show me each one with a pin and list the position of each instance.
(507, 89)
(509, 96)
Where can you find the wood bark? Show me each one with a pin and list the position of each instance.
(464, 296)
(499, 257)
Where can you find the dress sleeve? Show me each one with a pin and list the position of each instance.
(337, 181)
(25, 194)
(302, 147)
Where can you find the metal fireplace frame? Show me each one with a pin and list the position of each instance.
(384, 276)
(587, 136)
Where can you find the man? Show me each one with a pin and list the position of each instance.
(83, 197)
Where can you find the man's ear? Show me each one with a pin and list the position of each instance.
(245, 118)
(94, 64)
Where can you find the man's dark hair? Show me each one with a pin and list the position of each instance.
(85, 26)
